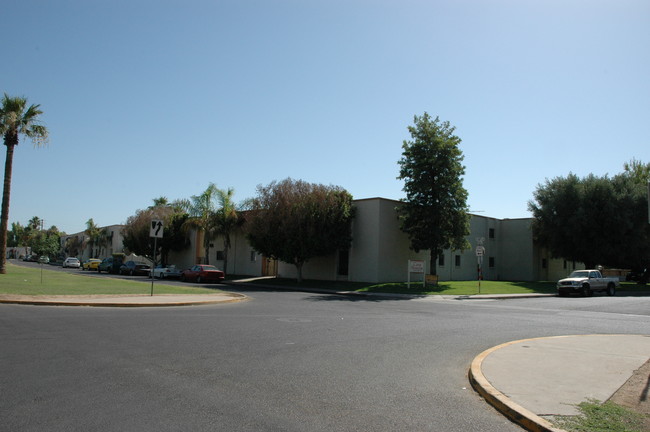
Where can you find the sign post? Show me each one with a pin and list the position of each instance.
(155, 231)
(480, 252)
(416, 266)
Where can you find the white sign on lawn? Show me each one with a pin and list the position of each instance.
(415, 266)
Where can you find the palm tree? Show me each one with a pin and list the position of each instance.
(94, 233)
(202, 209)
(16, 119)
(73, 246)
(226, 220)
(160, 202)
(35, 223)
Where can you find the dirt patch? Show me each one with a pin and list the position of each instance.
(635, 393)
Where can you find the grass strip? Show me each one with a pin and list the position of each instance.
(443, 288)
(27, 281)
(452, 288)
(605, 417)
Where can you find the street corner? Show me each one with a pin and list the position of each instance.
(530, 380)
(500, 401)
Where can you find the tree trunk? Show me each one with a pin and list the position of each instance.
(299, 271)
(4, 218)
(433, 263)
(225, 260)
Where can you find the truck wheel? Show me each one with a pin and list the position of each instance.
(611, 289)
(586, 290)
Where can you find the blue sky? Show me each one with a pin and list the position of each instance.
(159, 98)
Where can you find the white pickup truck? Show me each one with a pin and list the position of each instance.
(587, 282)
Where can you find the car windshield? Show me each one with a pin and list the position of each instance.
(208, 267)
(579, 274)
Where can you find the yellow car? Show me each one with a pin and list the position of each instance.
(91, 264)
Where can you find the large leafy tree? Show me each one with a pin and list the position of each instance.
(16, 118)
(136, 231)
(434, 212)
(294, 221)
(45, 242)
(16, 237)
(594, 220)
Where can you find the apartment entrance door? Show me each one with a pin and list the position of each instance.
(269, 267)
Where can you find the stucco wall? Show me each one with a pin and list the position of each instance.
(516, 252)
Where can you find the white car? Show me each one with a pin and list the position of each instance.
(165, 272)
(71, 262)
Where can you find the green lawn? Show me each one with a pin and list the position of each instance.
(27, 281)
(456, 288)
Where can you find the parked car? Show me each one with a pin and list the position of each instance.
(587, 282)
(111, 264)
(163, 272)
(202, 273)
(44, 259)
(71, 262)
(91, 264)
(134, 268)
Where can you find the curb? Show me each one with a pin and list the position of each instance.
(515, 412)
(77, 302)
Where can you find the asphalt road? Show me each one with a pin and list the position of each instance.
(283, 361)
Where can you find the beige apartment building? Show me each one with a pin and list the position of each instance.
(110, 244)
(380, 252)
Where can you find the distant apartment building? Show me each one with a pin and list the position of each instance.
(81, 246)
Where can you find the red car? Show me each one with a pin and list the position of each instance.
(202, 273)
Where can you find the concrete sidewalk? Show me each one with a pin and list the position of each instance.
(130, 300)
(533, 380)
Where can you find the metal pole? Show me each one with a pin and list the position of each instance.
(153, 263)
(480, 272)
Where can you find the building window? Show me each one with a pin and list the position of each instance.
(491, 262)
(544, 264)
(491, 233)
(441, 260)
(220, 256)
(565, 265)
(457, 259)
(253, 256)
